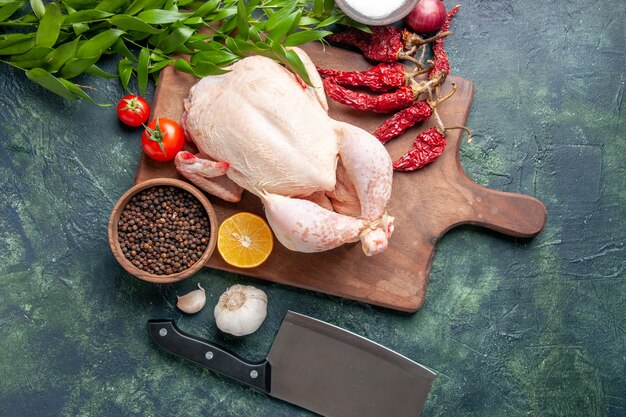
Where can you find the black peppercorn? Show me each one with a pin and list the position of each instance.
(163, 230)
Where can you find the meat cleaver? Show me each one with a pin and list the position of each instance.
(317, 366)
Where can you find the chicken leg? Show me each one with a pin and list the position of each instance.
(208, 175)
(305, 226)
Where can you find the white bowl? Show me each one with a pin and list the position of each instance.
(347, 6)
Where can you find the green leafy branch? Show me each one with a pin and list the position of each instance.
(56, 42)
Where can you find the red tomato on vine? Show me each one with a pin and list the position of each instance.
(162, 139)
(133, 110)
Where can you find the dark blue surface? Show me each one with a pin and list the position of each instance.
(512, 327)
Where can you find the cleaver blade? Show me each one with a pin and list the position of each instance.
(317, 366)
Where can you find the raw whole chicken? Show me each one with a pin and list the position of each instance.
(323, 183)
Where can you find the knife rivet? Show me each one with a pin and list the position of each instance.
(163, 332)
(209, 355)
(254, 374)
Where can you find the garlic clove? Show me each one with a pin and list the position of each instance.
(241, 310)
(192, 302)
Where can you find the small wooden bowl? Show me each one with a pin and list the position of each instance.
(115, 218)
(395, 16)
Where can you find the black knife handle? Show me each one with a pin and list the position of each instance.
(169, 337)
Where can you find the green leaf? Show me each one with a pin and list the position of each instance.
(50, 82)
(176, 38)
(242, 20)
(8, 8)
(13, 38)
(159, 66)
(140, 5)
(76, 66)
(120, 47)
(49, 27)
(318, 8)
(353, 23)
(303, 37)
(229, 25)
(65, 37)
(27, 18)
(161, 17)
(295, 24)
(222, 57)
(285, 26)
(295, 64)
(38, 8)
(202, 45)
(127, 23)
(112, 6)
(258, 25)
(80, 28)
(38, 52)
(85, 16)
(277, 3)
(254, 34)
(329, 5)
(277, 48)
(185, 51)
(206, 8)
(251, 6)
(58, 57)
(200, 70)
(223, 13)
(125, 71)
(78, 92)
(184, 66)
(242, 48)
(204, 69)
(290, 59)
(81, 4)
(171, 5)
(97, 45)
(275, 19)
(31, 59)
(17, 47)
(330, 20)
(323, 8)
(97, 71)
(194, 21)
(142, 70)
(308, 21)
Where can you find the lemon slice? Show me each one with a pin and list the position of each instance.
(244, 240)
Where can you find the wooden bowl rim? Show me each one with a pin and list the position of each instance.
(394, 17)
(115, 218)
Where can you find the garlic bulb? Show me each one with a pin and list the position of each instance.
(241, 310)
(193, 301)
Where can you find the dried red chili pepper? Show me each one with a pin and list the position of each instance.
(402, 120)
(381, 78)
(352, 37)
(383, 103)
(405, 118)
(384, 44)
(427, 147)
(441, 67)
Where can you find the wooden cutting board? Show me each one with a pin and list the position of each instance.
(426, 203)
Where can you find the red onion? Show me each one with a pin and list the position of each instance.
(428, 16)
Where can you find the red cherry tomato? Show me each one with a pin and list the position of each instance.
(162, 139)
(133, 110)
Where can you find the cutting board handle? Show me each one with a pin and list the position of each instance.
(517, 215)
